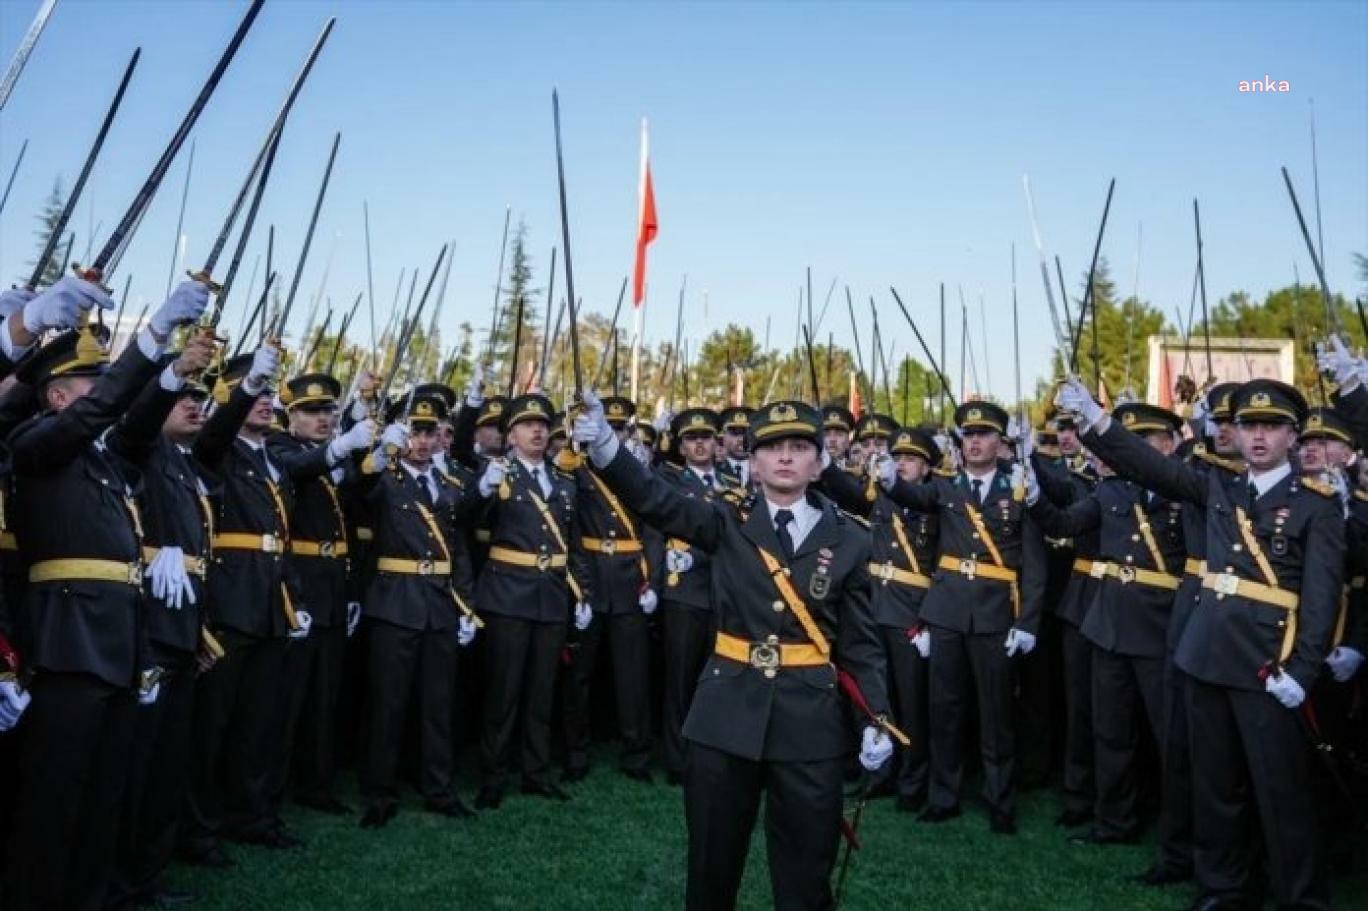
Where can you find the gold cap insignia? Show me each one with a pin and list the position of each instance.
(1129, 418)
(974, 415)
(534, 407)
(423, 410)
(1260, 400)
(315, 389)
(616, 409)
(496, 407)
(783, 413)
(1316, 422)
(698, 420)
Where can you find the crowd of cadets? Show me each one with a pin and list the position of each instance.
(219, 588)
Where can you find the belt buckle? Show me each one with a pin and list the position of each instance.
(1126, 574)
(426, 568)
(764, 656)
(1227, 584)
(608, 546)
(270, 544)
(543, 562)
(886, 571)
(327, 549)
(197, 566)
(968, 566)
(135, 574)
(1098, 569)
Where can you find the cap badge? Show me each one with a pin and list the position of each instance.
(783, 413)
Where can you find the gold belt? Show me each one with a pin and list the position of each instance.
(610, 546)
(365, 534)
(406, 567)
(1129, 574)
(318, 548)
(8, 541)
(771, 655)
(1194, 567)
(195, 566)
(970, 567)
(1230, 584)
(81, 569)
(887, 572)
(483, 535)
(234, 540)
(539, 561)
(1083, 566)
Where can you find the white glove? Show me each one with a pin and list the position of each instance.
(185, 305)
(593, 431)
(1018, 640)
(885, 469)
(875, 748)
(495, 472)
(648, 602)
(640, 452)
(474, 390)
(170, 582)
(353, 617)
(14, 299)
(1031, 481)
(662, 420)
(61, 305)
(305, 621)
(1336, 360)
(584, 614)
(678, 561)
(149, 696)
(265, 363)
(359, 410)
(922, 642)
(1201, 410)
(1339, 484)
(13, 700)
(1074, 398)
(1285, 689)
(358, 438)
(395, 436)
(465, 631)
(1344, 663)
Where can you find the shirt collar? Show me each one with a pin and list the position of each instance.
(1266, 481)
(532, 466)
(804, 513)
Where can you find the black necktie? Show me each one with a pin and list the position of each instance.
(1253, 493)
(978, 490)
(708, 480)
(536, 479)
(782, 518)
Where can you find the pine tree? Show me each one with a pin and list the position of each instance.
(517, 290)
(47, 221)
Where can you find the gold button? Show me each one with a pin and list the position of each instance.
(778, 606)
(1237, 548)
(1135, 537)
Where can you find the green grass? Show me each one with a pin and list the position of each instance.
(620, 845)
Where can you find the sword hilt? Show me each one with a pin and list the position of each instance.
(202, 276)
(92, 275)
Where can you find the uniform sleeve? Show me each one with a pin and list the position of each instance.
(301, 463)
(921, 497)
(135, 436)
(463, 436)
(1054, 480)
(1322, 581)
(846, 490)
(859, 650)
(1135, 460)
(659, 503)
(1354, 409)
(216, 438)
(1071, 521)
(1034, 566)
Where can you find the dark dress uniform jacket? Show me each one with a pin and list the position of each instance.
(75, 500)
(1230, 640)
(415, 601)
(617, 577)
(693, 588)
(797, 715)
(175, 513)
(515, 522)
(317, 517)
(1125, 617)
(980, 605)
(1065, 484)
(247, 587)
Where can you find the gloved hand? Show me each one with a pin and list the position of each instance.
(14, 299)
(1333, 358)
(265, 363)
(465, 631)
(305, 621)
(60, 306)
(1074, 398)
(170, 582)
(592, 430)
(1285, 689)
(662, 420)
(150, 687)
(1339, 484)
(353, 617)
(1201, 410)
(678, 561)
(921, 641)
(185, 305)
(1344, 663)
(474, 390)
(359, 410)
(648, 601)
(885, 469)
(394, 437)
(640, 452)
(584, 615)
(495, 472)
(13, 700)
(1018, 640)
(1031, 482)
(359, 438)
(875, 748)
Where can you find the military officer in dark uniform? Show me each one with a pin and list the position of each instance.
(615, 548)
(535, 580)
(1253, 646)
(837, 424)
(418, 610)
(767, 716)
(1138, 566)
(873, 432)
(321, 468)
(734, 461)
(983, 608)
(79, 531)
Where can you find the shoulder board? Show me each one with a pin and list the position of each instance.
(1318, 486)
(946, 472)
(1231, 465)
(451, 479)
(858, 520)
(1361, 495)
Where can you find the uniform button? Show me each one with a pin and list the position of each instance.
(1130, 559)
(1237, 548)
(778, 606)
(1135, 537)
(975, 536)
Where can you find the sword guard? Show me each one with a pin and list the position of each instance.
(94, 276)
(202, 276)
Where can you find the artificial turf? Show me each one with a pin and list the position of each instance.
(620, 844)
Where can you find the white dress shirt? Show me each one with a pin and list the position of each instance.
(538, 471)
(805, 518)
(1267, 480)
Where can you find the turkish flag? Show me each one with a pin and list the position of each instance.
(647, 225)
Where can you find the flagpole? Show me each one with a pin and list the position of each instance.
(636, 341)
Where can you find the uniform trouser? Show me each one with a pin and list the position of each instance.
(688, 640)
(1339, 709)
(74, 761)
(1037, 684)
(1127, 694)
(907, 673)
(236, 723)
(404, 662)
(630, 647)
(1173, 836)
(1252, 771)
(313, 680)
(522, 657)
(1080, 790)
(158, 781)
(963, 667)
(802, 827)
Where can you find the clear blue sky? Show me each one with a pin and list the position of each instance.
(878, 143)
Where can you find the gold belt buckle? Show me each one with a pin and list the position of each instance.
(608, 546)
(764, 656)
(1227, 584)
(886, 571)
(426, 568)
(327, 549)
(1098, 569)
(270, 544)
(968, 566)
(1126, 574)
(197, 566)
(135, 574)
(543, 562)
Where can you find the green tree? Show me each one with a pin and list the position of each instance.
(1122, 327)
(518, 296)
(47, 223)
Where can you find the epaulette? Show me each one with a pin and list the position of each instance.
(946, 472)
(858, 520)
(1234, 466)
(1318, 486)
(1361, 495)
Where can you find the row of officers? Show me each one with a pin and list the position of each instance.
(188, 547)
